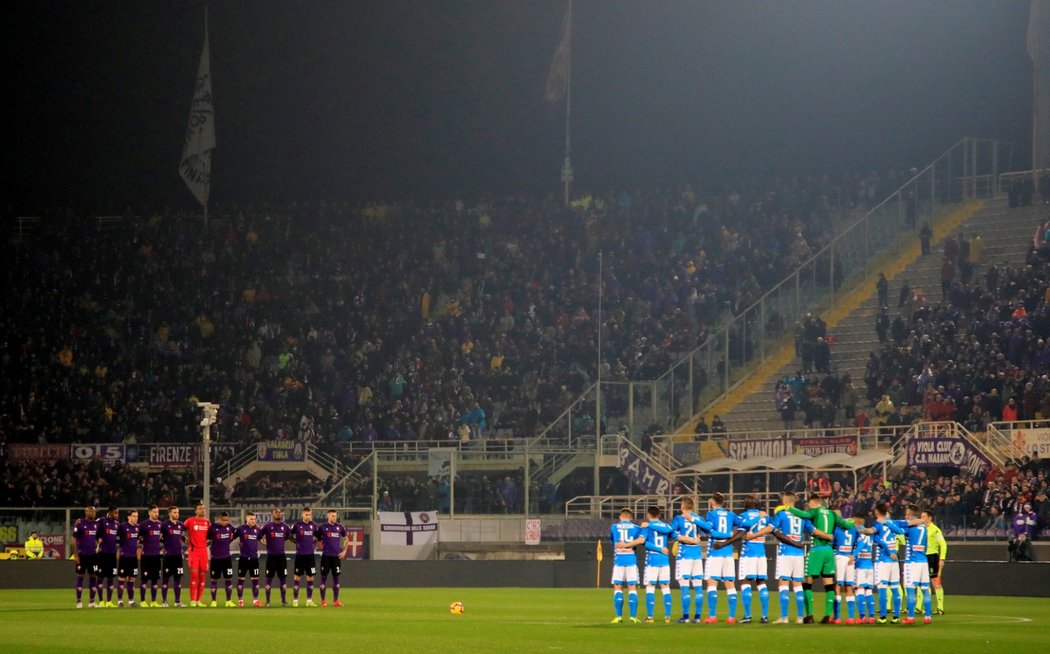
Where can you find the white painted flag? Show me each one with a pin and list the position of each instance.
(411, 528)
(195, 166)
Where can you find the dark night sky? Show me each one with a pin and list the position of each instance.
(394, 98)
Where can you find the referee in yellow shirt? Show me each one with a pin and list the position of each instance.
(937, 555)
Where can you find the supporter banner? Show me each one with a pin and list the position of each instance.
(408, 528)
(1032, 441)
(948, 452)
(355, 543)
(281, 451)
(439, 461)
(779, 447)
(20, 452)
(54, 546)
(163, 455)
(532, 532)
(106, 453)
(644, 476)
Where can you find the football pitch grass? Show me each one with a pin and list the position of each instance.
(496, 620)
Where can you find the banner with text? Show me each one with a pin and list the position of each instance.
(20, 452)
(947, 452)
(1032, 441)
(281, 451)
(647, 478)
(780, 447)
(405, 536)
(107, 453)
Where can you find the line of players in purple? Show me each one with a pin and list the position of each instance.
(107, 550)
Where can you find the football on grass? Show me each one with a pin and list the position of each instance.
(456, 608)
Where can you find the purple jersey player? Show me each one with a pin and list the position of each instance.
(331, 535)
(173, 532)
(107, 554)
(305, 564)
(276, 532)
(85, 536)
(150, 541)
(248, 562)
(220, 537)
(128, 561)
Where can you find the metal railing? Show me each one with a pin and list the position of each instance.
(1015, 439)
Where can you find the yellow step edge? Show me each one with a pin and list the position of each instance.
(844, 306)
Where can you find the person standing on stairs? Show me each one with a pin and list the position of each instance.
(883, 288)
(925, 234)
(947, 276)
(882, 324)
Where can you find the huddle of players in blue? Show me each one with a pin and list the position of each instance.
(855, 560)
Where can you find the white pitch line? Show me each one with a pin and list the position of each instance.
(999, 619)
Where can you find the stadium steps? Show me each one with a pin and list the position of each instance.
(1007, 235)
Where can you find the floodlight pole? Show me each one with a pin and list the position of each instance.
(598, 390)
(210, 412)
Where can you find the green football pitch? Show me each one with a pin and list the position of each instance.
(496, 620)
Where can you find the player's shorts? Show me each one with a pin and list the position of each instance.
(935, 565)
(107, 564)
(331, 565)
(625, 575)
(865, 577)
(916, 573)
(688, 569)
(222, 568)
(305, 565)
(276, 564)
(753, 567)
(127, 567)
(721, 568)
(248, 567)
(820, 562)
(888, 573)
(657, 574)
(151, 567)
(845, 572)
(199, 560)
(791, 568)
(173, 566)
(87, 564)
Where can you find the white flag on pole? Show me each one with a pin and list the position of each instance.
(558, 78)
(411, 528)
(195, 165)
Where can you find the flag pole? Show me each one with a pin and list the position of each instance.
(205, 203)
(598, 391)
(566, 170)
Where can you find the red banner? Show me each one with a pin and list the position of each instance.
(22, 452)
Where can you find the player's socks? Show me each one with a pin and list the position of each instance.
(940, 598)
(763, 598)
(91, 589)
(295, 590)
(240, 589)
(229, 590)
(829, 603)
(109, 590)
(712, 602)
(322, 586)
(268, 591)
(851, 605)
(745, 599)
(785, 599)
(687, 599)
(284, 593)
(871, 603)
(120, 591)
(731, 598)
(255, 589)
(80, 589)
(896, 601)
(800, 602)
(632, 603)
(178, 590)
(164, 592)
(214, 590)
(927, 602)
(667, 601)
(882, 602)
(310, 590)
(335, 589)
(911, 602)
(807, 593)
(153, 593)
(650, 602)
(838, 607)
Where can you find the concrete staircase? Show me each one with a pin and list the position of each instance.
(1007, 236)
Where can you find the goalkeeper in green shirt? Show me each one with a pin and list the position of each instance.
(821, 559)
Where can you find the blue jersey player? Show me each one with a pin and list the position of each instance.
(887, 570)
(658, 537)
(625, 536)
(753, 567)
(863, 562)
(916, 566)
(689, 564)
(720, 563)
(842, 542)
(790, 530)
